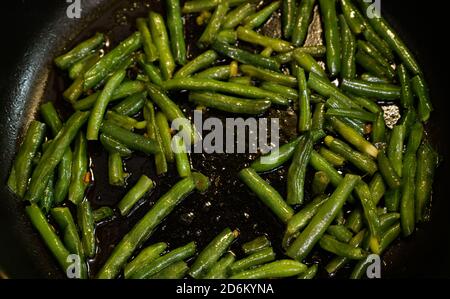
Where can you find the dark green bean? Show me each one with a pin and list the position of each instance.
(267, 194)
(80, 51)
(268, 75)
(144, 228)
(288, 17)
(372, 66)
(216, 72)
(176, 29)
(372, 51)
(348, 67)
(353, 17)
(87, 228)
(318, 118)
(111, 61)
(379, 129)
(131, 105)
(214, 25)
(304, 17)
(304, 123)
(407, 98)
(236, 16)
(78, 181)
(323, 218)
(408, 194)
(297, 170)
(380, 91)
(320, 183)
(227, 36)
(161, 40)
(387, 170)
(48, 197)
(372, 78)
(362, 115)
(53, 155)
(200, 62)
(277, 269)
(395, 148)
(257, 19)
(421, 91)
(212, 252)
(332, 38)
(21, 169)
(427, 161)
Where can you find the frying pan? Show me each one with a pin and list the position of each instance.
(33, 32)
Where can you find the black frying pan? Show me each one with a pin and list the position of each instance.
(35, 31)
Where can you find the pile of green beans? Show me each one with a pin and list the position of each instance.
(370, 183)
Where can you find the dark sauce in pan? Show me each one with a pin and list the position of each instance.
(200, 217)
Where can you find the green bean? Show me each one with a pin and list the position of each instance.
(318, 117)
(87, 228)
(200, 62)
(176, 29)
(277, 269)
(407, 98)
(355, 221)
(132, 140)
(361, 161)
(53, 155)
(116, 174)
(80, 67)
(319, 163)
(124, 121)
(320, 183)
(161, 40)
(214, 25)
(78, 182)
(379, 129)
(111, 145)
(212, 252)
(21, 169)
(144, 228)
(332, 40)
(244, 80)
(225, 87)
(220, 269)
(236, 16)
(110, 61)
(255, 245)
(288, 17)
(392, 200)
(71, 238)
(143, 185)
(248, 35)
(228, 103)
(388, 220)
(131, 105)
(326, 89)
(390, 236)
(301, 219)
(372, 66)
(228, 36)
(287, 92)
(332, 245)
(304, 123)
(357, 125)
(315, 51)
(309, 273)
(181, 156)
(367, 104)
(353, 137)
(175, 271)
(276, 158)
(408, 194)
(202, 182)
(379, 91)
(80, 51)
(267, 194)
(125, 89)
(153, 72)
(338, 262)
(153, 133)
(146, 256)
(245, 56)
(362, 115)
(388, 172)
(421, 91)
(373, 52)
(166, 137)
(216, 73)
(408, 119)
(101, 104)
(353, 17)
(151, 53)
(297, 170)
(386, 32)
(47, 233)
(102, 213)
(268, 75)
(307, 62)
(202, 5)
(332, 158)
(304, 17)
(372, 78)
(340, 232)
(155, 266)
(370, 215)
(377, 188)
(255, 259)
(348, 67)
(323, 218)
(48, 198)
(395, 148)
(169, 108)
(257, 19)
(427, 161)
